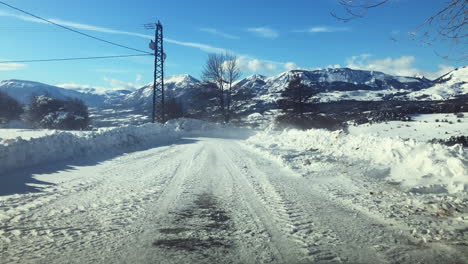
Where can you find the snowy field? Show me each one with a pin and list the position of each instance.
(421, 128)
(197, 192)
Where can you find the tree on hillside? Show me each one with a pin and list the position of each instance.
(299, 108)
(203, 102)
(10, 109)
(46, 112)
(214, 72)
(233, 73)
(173, 106)
(295, 97)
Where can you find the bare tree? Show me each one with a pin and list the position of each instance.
(214, 72)
(233, 73)
(357, 8)
(450, 23)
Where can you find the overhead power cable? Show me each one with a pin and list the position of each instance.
(79, 58)
(73, 30)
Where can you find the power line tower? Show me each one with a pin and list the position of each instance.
(159, 114)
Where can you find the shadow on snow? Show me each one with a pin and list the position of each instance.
(21, 180)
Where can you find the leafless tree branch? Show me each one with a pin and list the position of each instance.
(233, 73)
(215, 72)
(448, 24)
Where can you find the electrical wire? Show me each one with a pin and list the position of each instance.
(79, 58)
(73, 30)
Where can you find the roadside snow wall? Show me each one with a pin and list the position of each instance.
(416, 166)
(17, 153)
(20, 153)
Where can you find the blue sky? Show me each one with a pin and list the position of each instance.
(269, 37)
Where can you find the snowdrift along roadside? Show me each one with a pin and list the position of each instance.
(17, 153)
(421, 167)
(61, 145)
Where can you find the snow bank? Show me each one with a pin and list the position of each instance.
(59, 145)
(18, 152)
(421, 167)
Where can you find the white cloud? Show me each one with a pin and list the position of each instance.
(138, 78)
(119, 84)
(114, 84)
(253, 65)
(75, 25)
(325, 29)
(248, 64)
(111, 70)
(84, 88)
(218, 33)
(402, 66)
(264, 32)
(203, 47)
(334, 66)
(11, 66)
(443, 69)
(289, 66)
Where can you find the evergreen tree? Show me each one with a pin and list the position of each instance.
(10, 109)
(294, 99)
(46, 112)
(174, 108)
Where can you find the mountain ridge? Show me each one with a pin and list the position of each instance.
(335, 84)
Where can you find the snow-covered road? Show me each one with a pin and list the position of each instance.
(199, 200)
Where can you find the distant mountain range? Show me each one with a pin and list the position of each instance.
(260, 93)
(23, 91)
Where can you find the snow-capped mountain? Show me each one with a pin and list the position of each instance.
(450, 85)
(338, 84)
(258, 93)
(23, 91)
(176, 86)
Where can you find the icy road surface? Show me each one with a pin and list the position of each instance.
(200, 200)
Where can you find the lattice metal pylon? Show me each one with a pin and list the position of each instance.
(159, 114)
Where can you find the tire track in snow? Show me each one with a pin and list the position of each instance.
(289, 216)
(140, 248)
(79, 227)
(11, 206)
(354, 237)
(274, 215)
(265, 204)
